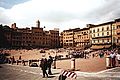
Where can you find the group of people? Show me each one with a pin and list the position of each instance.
(11, 60)
(113, 58)
(45, 65)
(2, 58)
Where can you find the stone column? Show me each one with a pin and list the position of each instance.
(73, 63)
(54, 64)
(108, 62)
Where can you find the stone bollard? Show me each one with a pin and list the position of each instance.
(73, 64)
(108, 62)
(54, 64)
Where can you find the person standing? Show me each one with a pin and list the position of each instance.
(12, 60)
(112, 57)
(19, 57)
(50, 61)
(43, 66)
(118, 59)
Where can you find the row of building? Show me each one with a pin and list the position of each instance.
(35, 37)
(101, 36)
(105, 35)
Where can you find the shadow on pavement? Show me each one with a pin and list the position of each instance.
(51, 76)
(0, 66)
(55, 73)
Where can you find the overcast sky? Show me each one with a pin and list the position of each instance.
(62, 14)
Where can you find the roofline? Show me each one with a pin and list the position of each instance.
(111, 22)
(71, 30)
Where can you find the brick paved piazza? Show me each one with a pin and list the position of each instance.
(15, 72)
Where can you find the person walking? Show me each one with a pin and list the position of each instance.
(49, 62)
(43, 66)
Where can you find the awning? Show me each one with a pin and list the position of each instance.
(100, 47)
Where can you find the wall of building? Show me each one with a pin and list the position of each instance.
(101, 36)
(82, 38)
(97, 36)
(35, 37)
(68, 38)
(116, 33)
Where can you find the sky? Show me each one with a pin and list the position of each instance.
(62, 14)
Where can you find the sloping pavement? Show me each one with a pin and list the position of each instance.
(109, 74)
(19, 72)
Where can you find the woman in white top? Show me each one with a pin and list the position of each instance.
(112, 57)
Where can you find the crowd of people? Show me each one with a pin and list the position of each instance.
(3, 57)
(112, 58)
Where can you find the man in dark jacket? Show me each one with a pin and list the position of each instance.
(49, 62)
(43, 66)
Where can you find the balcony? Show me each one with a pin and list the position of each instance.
(100, 47)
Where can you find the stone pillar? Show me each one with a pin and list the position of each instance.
(73, 64)
(54, 64)
(108, 62)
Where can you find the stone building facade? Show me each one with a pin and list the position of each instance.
(100, 36)
(82, 38)
(77, 37)
(35, 37)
